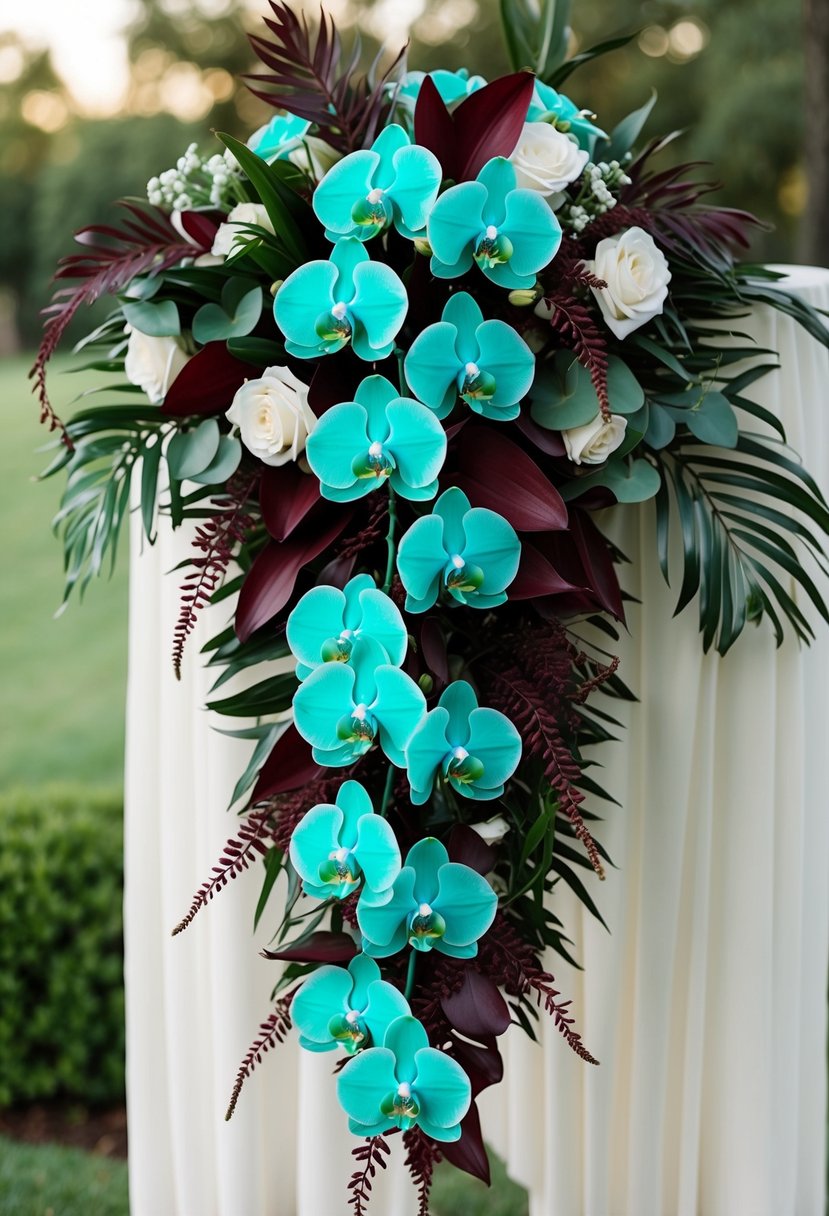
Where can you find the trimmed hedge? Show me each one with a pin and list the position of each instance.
(61, 946)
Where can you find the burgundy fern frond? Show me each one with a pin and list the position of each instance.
(371, 1154)
(505, 953)
(236, 856)
(271, 1032)
(310, 78)
(216, 540)
(422, 1155)
(146, 241)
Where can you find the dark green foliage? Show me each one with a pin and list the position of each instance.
(61, 955)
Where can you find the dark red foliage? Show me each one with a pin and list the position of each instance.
(286, 495)
(291, 805)
(422, 1155)
(290, 766)
(311, 78)
(215, 543)
(371, 1154)
(496, 473)
(487, 124)
(206, 384)
(201, 226)
(321, 947)
(469, 1153)
(576, 323)
(537, 576)
(271, 1032)
(467, 847)
(146, 242)
(477, 1009)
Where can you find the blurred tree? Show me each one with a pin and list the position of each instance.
(815, 236)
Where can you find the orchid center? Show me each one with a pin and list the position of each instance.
(334, 326)
(492, 248)
(376, 462)
(426, 927)
(357, 728)
(461, 576)
(337, 650)
(401, 1106)
(340, 867)
(461, 768)
(475, 384)
(349, 1031)
(372, 213)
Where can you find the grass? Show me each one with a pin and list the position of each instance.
(44, 1180)
(62, 693)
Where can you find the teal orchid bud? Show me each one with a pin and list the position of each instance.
(435, 904)
(510, 233)
(324, 306)
(392, 182)
(475, 749)
(336, 847)
(547, 105)
(358, 446)
(486, 363)
(405, 1084)
(470, 552)
(326, 623)
(350, 1008)
(341, 709)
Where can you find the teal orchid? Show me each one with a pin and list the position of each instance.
(485, 362)
(510, 233)
(350, 1008)
(405, 1084)
(434, 904)
(326, 623)
(393, 181)
(342, 708)
(471, 552)
(283, 134)
(452, 86)
(323, 306)
(547, 105)
(475, 749)
(380, 436)
(335, 847)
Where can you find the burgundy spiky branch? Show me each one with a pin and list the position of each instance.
(146, 242)
(574, 321)
(422, 1155)
(271, 1032)
(371, 1154)
(251, 841)
(216, 540)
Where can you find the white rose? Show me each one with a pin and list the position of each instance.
(231, 236)
(637, 276)
(546, 160)
(593, 442)
(273, 415)
(315, 155)
(492, 831)
(153, 363)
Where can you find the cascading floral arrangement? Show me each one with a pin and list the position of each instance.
(393, 355)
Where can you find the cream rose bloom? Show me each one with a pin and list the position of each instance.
(546, 160)
(492, 831)
(231, 235)
(313, 155)
(273, 415)
(593, 442)
(637, 276)
(153, 363)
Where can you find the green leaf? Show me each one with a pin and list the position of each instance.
(280, 202)
(159, 320)
(711, 420)
(625, 134)
(594, 52)
(237, 315)
(190, 452)
(270, 696)
(223, 465)
(259, 352)
(274, 861)
(151, 459)
(661, 427)
(634, 482)
(564, 396)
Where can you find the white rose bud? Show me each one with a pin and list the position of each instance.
(231, 236)
(637, 276)
(273, 415)
(593, 442)
(314, 155)
(153, 363)
(546, 160)
(492, 831)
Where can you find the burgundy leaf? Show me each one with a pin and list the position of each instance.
(270, 582)
(434, 128)
(469, 1153)
(483, 1065)
(201, 226)
(496, 473)
(489, 122)
(338, 571)
(550, 442)
(207, 384)
(470, 849)
(477, 1009)
(597, 562)
(286, 495)
(333, 381)
(321, 947)
(433, 648)
(289, 766)
(536, 576)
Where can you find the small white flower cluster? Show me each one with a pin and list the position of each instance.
(196, 181)
(596, 195)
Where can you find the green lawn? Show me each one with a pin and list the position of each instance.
(62, 691)
(43, 1180)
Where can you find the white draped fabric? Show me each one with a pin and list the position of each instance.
(706, 1003)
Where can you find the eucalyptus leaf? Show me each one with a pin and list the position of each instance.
(237, 315)
(634, 482)
(156, 320)
(191, 452)
(661, 427)
(223, 465)
(713, 421)
(564, 396)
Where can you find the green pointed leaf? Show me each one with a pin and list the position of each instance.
(156, 320)
(189, 452)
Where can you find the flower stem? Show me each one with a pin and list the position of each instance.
(410, 974)
(384, 805)
(390, 541)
